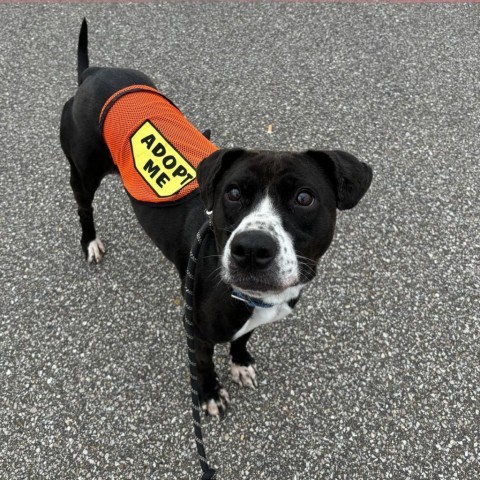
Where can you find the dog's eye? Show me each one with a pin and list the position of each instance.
(233, 194)
(304, 198)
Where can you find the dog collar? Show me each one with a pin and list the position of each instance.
(250, 301)
(256, 302)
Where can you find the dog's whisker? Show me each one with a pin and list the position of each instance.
(309, 268)
(215, 272)
(226, 229)
(212, 256)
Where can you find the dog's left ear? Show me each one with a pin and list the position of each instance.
(210, 171)
(351, 177)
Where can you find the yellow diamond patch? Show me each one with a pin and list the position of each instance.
(158, 162)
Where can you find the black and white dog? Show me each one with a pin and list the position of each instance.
(273, 217)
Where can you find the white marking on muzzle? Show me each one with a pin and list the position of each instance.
(265, 218)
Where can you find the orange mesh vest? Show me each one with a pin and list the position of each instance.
(156, 149)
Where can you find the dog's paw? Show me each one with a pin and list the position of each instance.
(216, 403)
(95, 251)
(244, 375)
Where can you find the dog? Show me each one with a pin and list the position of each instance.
(272, 213)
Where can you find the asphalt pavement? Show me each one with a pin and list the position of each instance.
(377, 373)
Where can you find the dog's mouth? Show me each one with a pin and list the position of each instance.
(256, 285)
(268, 293)
(252, 287)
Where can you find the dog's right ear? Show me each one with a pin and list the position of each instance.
(210, 171)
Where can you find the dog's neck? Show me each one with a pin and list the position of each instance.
(290, 297)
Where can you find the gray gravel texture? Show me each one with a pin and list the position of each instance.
(376, 375)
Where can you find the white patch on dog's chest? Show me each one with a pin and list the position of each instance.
(261, 316)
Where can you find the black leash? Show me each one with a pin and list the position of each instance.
(208, 472)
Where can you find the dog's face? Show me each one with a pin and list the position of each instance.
(274, 214)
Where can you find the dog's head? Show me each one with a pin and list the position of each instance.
(274, 213)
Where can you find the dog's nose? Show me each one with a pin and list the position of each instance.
(253, 249)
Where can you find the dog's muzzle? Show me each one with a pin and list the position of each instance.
(253, 264)
(259, 257)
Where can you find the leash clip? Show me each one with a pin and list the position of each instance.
(209, 214)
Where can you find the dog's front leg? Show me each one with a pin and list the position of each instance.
(242, 365)
(213, 397)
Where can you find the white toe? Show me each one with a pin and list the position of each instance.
(96, 250)
(246, 376)
(214, 407)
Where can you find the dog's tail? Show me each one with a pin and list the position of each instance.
(82, 54)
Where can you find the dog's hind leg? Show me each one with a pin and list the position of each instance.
(84, 188)
(90, 161)
(242, 365)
